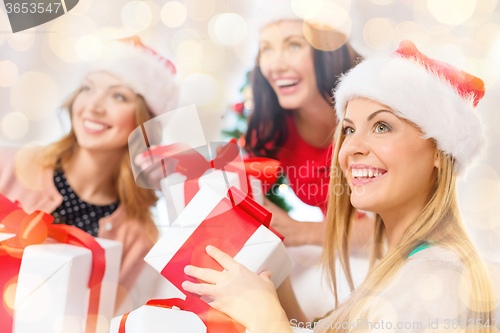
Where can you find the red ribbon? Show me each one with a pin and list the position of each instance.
(193, 165)
(34, 229)
(214, 320)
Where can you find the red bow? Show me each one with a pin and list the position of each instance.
(215, 321)
(34, 229)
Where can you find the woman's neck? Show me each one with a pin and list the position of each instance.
(396, 221)
(316, 122)
(92, 175)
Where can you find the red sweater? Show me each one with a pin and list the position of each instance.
(307, 167)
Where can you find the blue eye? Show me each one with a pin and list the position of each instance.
(119, 97)
(295, 46)
(381, 127)
(85, 88)
(347, 130)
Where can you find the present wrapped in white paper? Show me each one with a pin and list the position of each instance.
(173, 188)
(263, 250)
(52, 293)
(153, 319)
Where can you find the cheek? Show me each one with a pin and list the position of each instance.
(343, 159)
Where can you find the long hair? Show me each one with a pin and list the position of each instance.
(136, 200)
(439, 221)
(267, 126)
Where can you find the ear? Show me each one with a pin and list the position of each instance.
(437, 161)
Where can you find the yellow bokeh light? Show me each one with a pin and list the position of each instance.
(321, 31)
(199, 89)
(22, 41)
(35, 95)
(486, 6)
(487, 35)
(408, 30)
(199, 10)
(8, 73)
(283, 188)
(228, 29)
(69, 30)
(186, 49)
(452, 12)
(88, 48)
(155, 12)
(136, 16)
(378, 33)
(209, 55)
(81, 7)
(9, 295)
(184, 35)
(481, 195)
(15, 125)
(307, 8)
(173, 14)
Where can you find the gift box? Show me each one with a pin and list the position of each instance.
(54, 278)
(164, 316)
(193, 170)
(239, 227)
(175, 316)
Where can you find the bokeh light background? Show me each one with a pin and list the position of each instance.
(212, 46)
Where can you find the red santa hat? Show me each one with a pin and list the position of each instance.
(437, 97)
(145, 71)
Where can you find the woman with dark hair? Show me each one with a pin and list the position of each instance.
(293, 117)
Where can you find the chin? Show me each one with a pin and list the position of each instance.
(364, 203)
(289, 103)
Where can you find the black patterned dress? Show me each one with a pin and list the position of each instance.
(76, 212)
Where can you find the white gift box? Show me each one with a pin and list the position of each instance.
(173, 188)
(52, 294)
(263, 250)
(153, 319)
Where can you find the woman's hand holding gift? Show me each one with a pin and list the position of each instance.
(248, 298)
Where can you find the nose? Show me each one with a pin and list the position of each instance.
(356, 145)
(279, 62)
(96, 103)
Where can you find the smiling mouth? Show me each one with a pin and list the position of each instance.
(286, 83)
(95, 126)
(367, 173)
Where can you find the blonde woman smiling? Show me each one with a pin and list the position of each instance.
(408, 128)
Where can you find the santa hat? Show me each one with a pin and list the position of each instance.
(438, 98)
(145, 71)
(329, 33)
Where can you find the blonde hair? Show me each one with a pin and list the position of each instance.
(439, 221)
(136, 200)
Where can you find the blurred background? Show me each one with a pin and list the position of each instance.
(213, 45)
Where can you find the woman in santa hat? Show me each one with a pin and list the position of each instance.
(408, 127)
(85, 179)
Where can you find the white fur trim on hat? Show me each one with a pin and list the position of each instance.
(421, 97)
(144, 72)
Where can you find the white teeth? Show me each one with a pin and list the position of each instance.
(365, 173)
(286, 82)
(94, 126)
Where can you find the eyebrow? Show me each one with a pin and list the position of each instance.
(285, 40)
(370, 117)
(110, 87)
